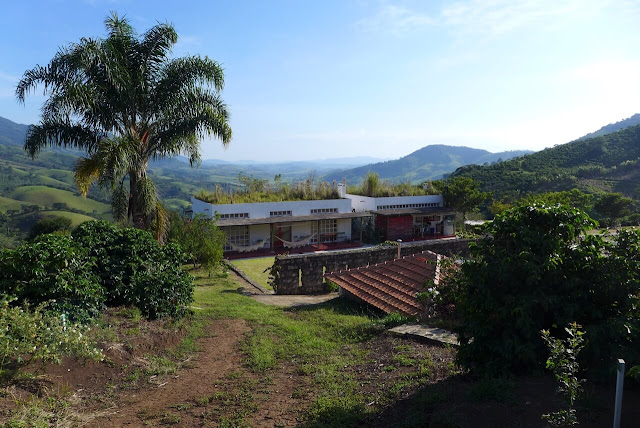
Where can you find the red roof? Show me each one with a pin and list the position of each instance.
(393, 285)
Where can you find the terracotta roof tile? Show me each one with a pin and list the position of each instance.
(391, 286)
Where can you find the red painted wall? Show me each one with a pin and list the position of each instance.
(395, 227)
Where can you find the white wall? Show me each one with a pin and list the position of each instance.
(366, 203)
(361, 203)
(344, 226)
(258, 232)
(263, 209)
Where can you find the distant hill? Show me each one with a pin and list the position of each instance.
(430, 162)
(614, 127)
(48, 178)
(11, 133)
(610, 162)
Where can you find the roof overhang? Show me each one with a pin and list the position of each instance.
(287, 219)
(415, 211)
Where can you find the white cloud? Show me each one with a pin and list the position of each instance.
(495, 17)
(487, 17)
(395, 20)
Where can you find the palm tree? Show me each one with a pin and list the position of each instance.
(124, 102)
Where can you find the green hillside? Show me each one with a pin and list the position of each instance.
(47, 196)
(428, 163)
(25, 221)
(614, 127)
(11, 204)
(608, 163)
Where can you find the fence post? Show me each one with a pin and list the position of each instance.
(619, 383)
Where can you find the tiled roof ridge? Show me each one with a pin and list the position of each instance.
(412, 256)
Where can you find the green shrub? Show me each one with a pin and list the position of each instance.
(47, 225)
(52, 268)
(41, 336)
(537, 270)
(135, 270)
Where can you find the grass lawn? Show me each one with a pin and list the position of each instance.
(255, 267)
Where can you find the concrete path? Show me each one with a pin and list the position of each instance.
(426, 332)
(290, 301)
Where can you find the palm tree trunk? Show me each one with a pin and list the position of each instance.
(136, 211)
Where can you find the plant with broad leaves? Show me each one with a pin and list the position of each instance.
(563, 362)
(38, 334)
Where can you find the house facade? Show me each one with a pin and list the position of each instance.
(286, 224)
(296, 224)
(407, 217)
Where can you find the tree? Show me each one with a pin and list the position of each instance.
(200, 238)
(613, 206)
(50, 225)
(461, 193)
(124, 101)
(573, 198)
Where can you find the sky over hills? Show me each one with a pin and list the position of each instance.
(315, 80)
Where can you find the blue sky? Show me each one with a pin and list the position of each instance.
(324, 79)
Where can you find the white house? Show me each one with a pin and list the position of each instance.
(252, 226)
(291, 224)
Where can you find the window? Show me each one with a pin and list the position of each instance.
(234, 215)
(324, 210)
(279, 213)
(325, 230)
(236, 235)
(395, 207)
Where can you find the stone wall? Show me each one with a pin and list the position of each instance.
(303, 273)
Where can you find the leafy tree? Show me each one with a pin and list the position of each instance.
(613, 206)
(200, 238)
(539, 270)
(371, 184)
(124, 101)
(573, 198)
(461, 193)
(49, 225)
(498, 207)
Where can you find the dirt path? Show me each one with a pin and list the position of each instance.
(187, 387)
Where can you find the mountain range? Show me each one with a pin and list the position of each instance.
(428, 163)
(609, 162)
(606, 160)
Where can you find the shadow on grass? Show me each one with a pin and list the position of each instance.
(341, 306)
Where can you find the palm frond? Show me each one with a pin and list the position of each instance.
(120, 202)
(87, 170)
(62, 134)
(161, 223)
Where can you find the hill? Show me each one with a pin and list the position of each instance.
(428, 163)
(614, 127)
(176, 181)
(48, 196)
(605, 163)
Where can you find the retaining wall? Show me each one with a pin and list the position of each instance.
(303, 273)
